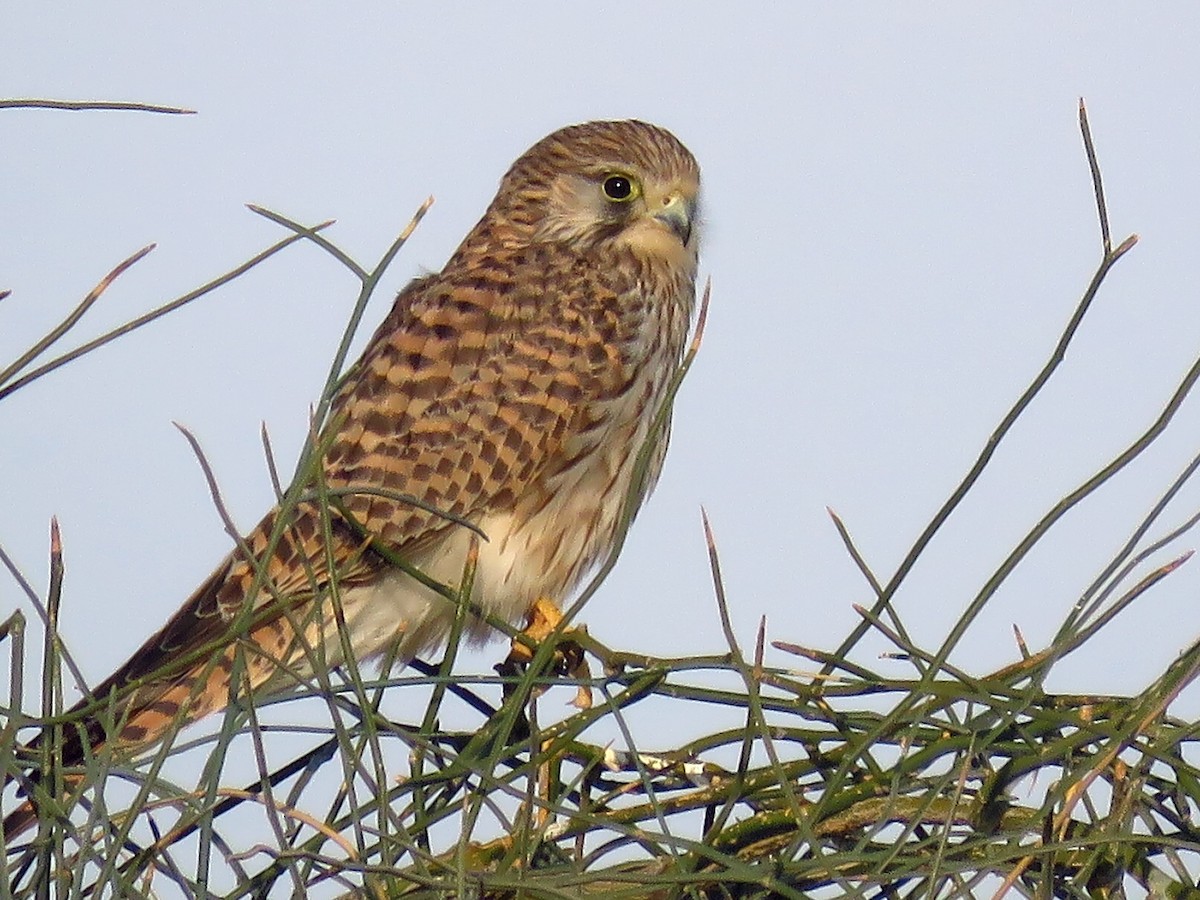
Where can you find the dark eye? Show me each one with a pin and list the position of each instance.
(620, 188)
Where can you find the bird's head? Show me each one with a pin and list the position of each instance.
(626, 184)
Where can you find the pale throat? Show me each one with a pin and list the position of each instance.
(652, 241)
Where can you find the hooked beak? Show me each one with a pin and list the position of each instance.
(678, 213)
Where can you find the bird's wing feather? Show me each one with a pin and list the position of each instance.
(455, 402)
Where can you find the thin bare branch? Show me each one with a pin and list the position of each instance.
(149, 317)
(111, 105)
(75, 315)
(1097, 182)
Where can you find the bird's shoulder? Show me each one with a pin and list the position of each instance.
(511, 320)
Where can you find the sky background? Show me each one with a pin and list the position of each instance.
(899, 221)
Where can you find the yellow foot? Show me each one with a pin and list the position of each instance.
(543, 619)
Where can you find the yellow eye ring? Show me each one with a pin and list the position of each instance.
(620, 188)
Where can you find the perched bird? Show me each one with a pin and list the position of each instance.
(512, 390)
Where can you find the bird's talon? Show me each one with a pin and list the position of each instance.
(543, 620)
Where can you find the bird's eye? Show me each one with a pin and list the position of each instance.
(620, 188)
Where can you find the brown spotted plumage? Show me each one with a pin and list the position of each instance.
(512, 390)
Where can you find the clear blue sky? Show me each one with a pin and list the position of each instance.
(899, 220)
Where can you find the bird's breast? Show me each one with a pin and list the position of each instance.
(557, 528)
(567, 523)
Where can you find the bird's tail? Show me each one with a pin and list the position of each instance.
(177, 677)
(184, 672)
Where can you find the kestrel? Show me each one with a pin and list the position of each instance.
(512, 390)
